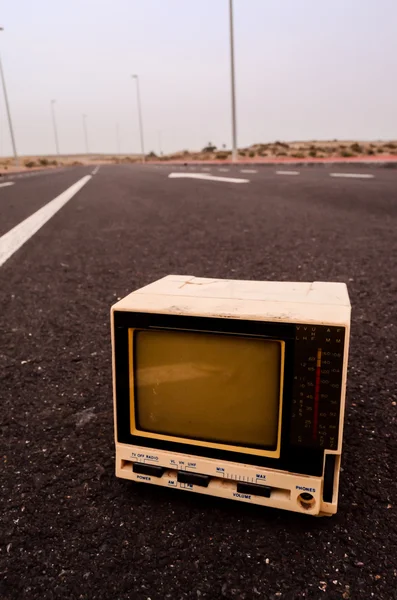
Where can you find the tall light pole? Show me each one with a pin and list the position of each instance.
(14, 148)
(85, 133)
(54, 123)
(118, 138)
(233, 90)
(138, 96)
(160, 143)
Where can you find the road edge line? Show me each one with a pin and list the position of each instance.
(14, 239)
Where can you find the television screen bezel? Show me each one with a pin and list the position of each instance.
(292, 458)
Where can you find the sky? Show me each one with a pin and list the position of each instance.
(305, 69)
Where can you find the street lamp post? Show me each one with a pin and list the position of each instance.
(118, 138)
(54, 123)
(85, 133)
(160, 143)
(14, 148)
(138, 96)
(233, 91)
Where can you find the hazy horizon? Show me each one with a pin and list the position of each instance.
(137, 153)
(304, 71)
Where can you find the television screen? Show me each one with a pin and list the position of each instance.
(224, 389)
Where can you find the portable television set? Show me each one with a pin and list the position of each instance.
(233, 389)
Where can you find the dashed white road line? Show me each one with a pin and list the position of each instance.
(95, 171)
(224, 170)
(207, 177)
(287, 172)
(11, 241)
(206, 169)
(6, 183)
(353, 175)
(248, 171)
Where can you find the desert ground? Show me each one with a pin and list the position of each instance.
(316, 151)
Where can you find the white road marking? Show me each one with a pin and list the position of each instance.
(6, 183)
(206, 169)
(353, 175)
(287, 172)
(11, 241)
(248, 171)
(95, 171)
(208, 177)
(224, 170)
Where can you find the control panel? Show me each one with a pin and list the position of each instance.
(317, 386)
(191, 479)
(230, 481)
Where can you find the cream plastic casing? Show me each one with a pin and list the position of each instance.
(318, 303)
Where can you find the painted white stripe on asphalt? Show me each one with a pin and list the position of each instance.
(206, 169)
(207, 177)
(6, 183)
(224, 170)
(95, 171)
(353, 175)
(11, 241)
(287, 172)
(248, 171)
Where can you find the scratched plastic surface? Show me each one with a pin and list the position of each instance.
(208, 387)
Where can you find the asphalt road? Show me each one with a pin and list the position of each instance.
(69, 528)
